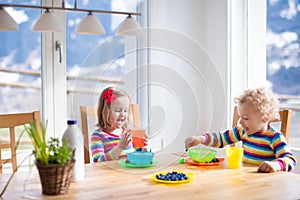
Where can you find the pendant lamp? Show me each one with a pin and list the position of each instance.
(47, 22)
(129, 27)
(90, 25)
(7, 23)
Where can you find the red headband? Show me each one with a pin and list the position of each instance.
(108, 96)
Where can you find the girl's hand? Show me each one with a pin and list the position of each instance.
(269, 166)
(193, 141)
(125, 139)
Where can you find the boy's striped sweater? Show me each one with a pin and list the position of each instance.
(270, 145)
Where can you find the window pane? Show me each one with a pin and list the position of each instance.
(94, 61)
(20, 63)
(20, 75)
(283, 58)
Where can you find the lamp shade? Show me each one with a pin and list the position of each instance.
(90, 25)
(7, 23)
(129, 27)
(47, 22)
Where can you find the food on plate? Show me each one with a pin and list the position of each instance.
(172, 176)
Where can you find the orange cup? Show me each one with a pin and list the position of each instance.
(138, 137)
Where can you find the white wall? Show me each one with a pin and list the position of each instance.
(188, 70)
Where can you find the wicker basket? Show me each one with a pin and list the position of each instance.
(55, 178)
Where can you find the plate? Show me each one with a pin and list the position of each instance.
(123, 162)
(188, 174)
(191, 162)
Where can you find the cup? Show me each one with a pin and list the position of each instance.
(138, 137)
(234, 157)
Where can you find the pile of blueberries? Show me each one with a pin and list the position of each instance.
(172, 176)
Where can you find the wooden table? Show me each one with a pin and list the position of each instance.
(111, 181)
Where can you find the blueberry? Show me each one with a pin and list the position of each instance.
(172, 176)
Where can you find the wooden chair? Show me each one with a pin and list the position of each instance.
(91, 111)
(285, 119)
(11, 121)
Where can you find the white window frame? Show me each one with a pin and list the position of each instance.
(54, 87)
(247, 49)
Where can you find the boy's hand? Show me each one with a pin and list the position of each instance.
(125, 139)
(269, 166)
(193, 141)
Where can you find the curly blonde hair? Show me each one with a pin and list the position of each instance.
(104, 108)
(263, 100)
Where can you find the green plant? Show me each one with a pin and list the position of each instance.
(53, 152)
(59, 154)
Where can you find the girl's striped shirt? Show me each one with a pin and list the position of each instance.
(270, 145)
(102, 143)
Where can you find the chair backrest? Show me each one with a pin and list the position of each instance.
(285, 121)
(91, 111)
(11, 121)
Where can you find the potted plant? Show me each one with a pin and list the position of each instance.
(54, 160)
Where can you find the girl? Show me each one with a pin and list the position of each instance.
(262, 144)
(112, 140)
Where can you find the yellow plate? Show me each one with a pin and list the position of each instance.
(188, 174)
